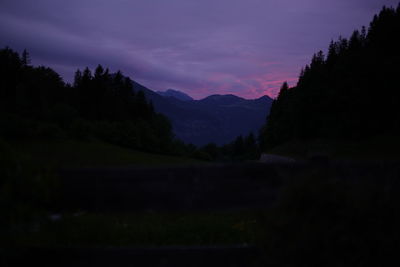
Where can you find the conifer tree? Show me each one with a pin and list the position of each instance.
(26, 60)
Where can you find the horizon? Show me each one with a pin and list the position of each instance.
(200, 49)
(202, 98)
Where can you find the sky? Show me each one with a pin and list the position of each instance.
(200, 47)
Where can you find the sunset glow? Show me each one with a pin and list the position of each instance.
(246, 48)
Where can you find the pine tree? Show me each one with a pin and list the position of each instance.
(283, 91)
(99, 72)
(26, 60)
(352, 93)
(77, 78)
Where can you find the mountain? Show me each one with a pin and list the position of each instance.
(176, 94)
(226, 99)
(216, 118)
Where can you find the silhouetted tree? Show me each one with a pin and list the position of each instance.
(251, 147)
(352, 93)
(25, 58)
(102, 105)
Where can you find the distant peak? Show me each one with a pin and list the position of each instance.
(173, 91)
(220, 97)
(175, 94)
(264, 97)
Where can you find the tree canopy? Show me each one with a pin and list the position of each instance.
(350, 93)
(35, 102)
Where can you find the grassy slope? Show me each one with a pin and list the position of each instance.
(70, 153)
(145, 229)
(131, 229)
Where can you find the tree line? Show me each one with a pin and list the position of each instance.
(242, 148)
(350, 93)
(36, 103)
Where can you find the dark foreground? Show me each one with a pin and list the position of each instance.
(215, 187)
(232, 256)
(320, 213)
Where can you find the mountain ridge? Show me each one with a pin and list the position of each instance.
(214, 119)
(176, 94)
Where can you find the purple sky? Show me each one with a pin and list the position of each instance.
(201, 47)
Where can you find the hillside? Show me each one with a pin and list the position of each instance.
(176, 94)
(216, 118)
(73, 153)
(352, 93)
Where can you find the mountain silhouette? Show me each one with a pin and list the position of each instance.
(215, 119)
(175, 93)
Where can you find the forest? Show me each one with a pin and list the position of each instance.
(349, 94)
(37, 104)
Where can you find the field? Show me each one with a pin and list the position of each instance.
(71, 153)
(144, 229)
(297, 214)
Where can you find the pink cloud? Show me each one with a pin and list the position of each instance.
(250, 87)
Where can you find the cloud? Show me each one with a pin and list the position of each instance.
(246, 47)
